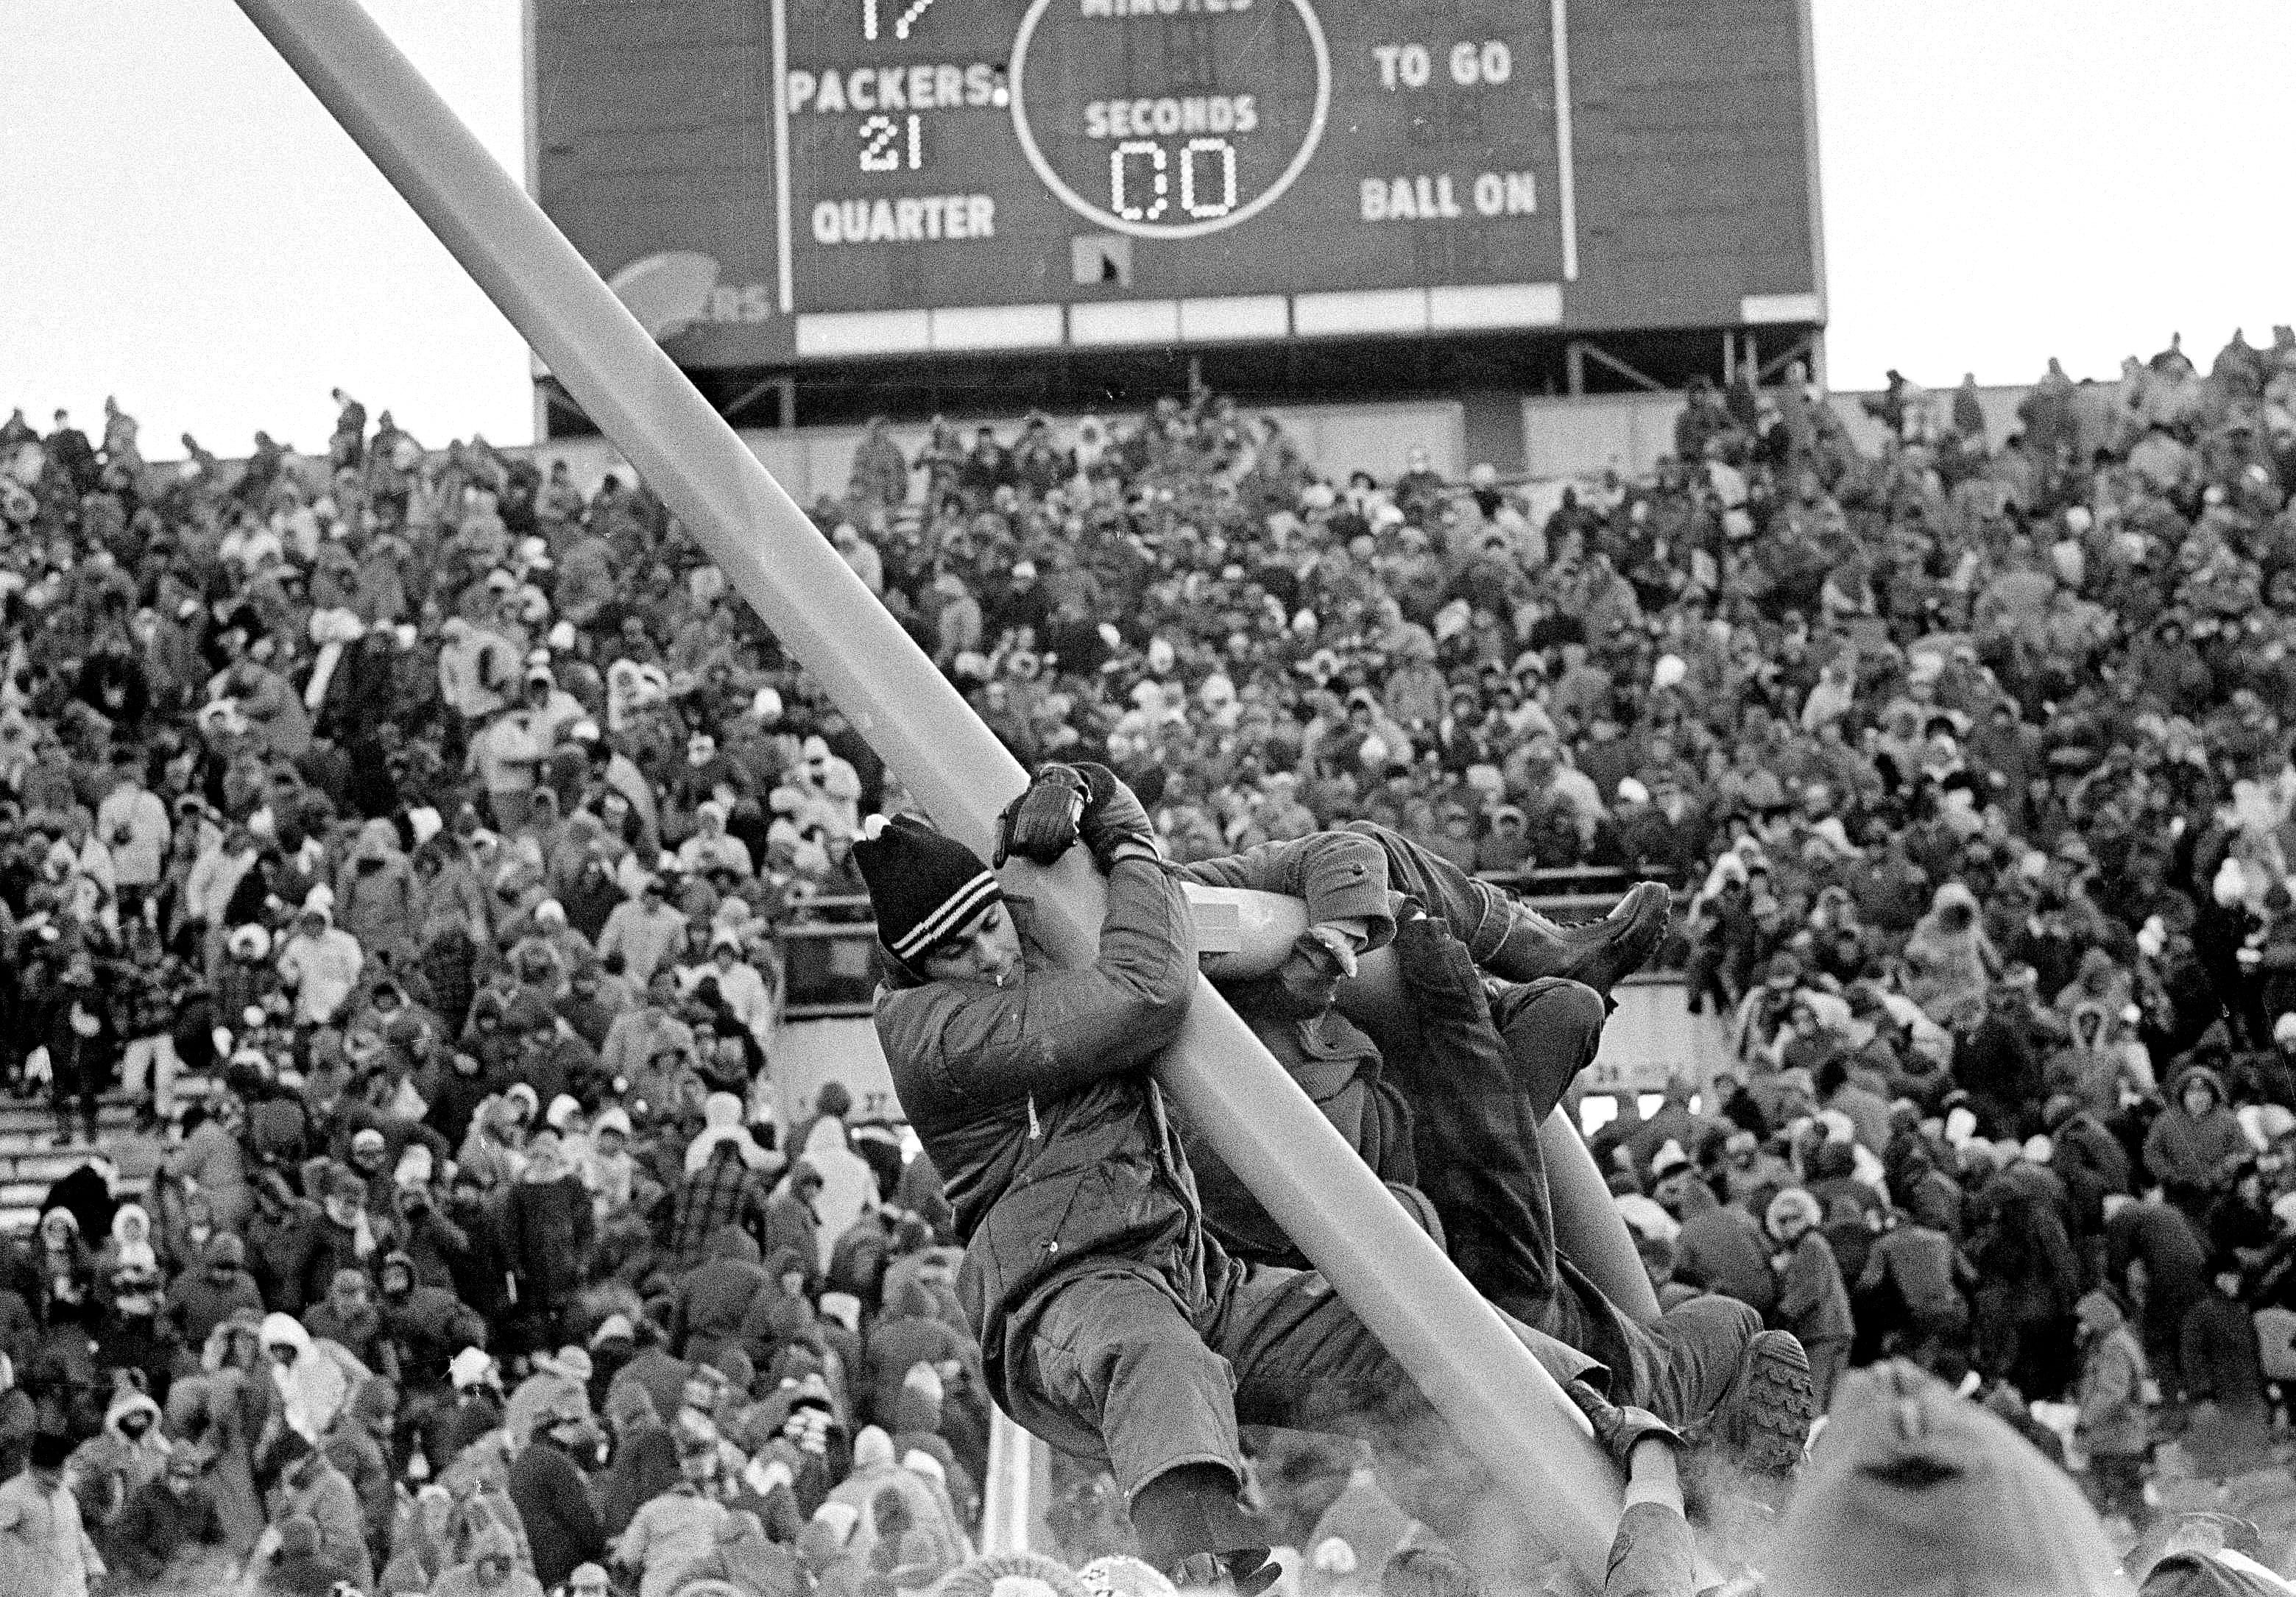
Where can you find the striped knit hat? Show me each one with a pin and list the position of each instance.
(925, 886)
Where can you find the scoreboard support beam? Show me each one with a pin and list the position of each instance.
(1499, 1400)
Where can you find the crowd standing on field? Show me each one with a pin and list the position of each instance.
(438, 815)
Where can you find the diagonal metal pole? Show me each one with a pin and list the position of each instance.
(1498, 1399)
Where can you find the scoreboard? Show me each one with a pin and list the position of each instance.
(778, 182)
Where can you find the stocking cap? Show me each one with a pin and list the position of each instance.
(923, 886)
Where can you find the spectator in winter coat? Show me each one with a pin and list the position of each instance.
(283, 1237)
(475, 1408)
(723, 1192)
(712, 1298)
(376, 903)
(1720, 1246)
(359, 1445)
(644, 1462)
(314, 1379)
(2222, 1365)
(2113, 1424)
(782, 1313)
(311, 1488)
(168, 1518)
(212, 1291)
(2090, 1160)
(321, 962)
(2190, 1148)
(849, 1187)
(134, 826)
(1949, 959)
(297, 1565)
(80, 1042)
(346, 1236)
(2168, 1245)
(131, 1451)
(910, 1333)
(1916, 1280)
(554, 1497)
(547, 1226)
(211, 1158)
(348, 1317)
(481, 1272)
(671, 1532)
(637, 1035)
(876, 1473)
(644, 931)
(491, 1570)
(880, 475)
(426, 1325)
(1813, 1303)
(791, 1220)
(43, 1550)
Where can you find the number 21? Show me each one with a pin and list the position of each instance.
(880, 142)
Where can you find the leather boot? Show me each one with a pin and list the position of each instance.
(1600, 954)
(1193, 1528)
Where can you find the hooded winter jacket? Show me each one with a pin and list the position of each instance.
(111, 1464)
(313, 1389)
(2113, 1422)
(358, 1445)
(376, 902)
(313, 1487)
(712, 1298)
(156, 1525)
(211, 1158)
(208, 1293)
(2187, 1153)
(876, 1470)
(463, 1579)
(325, 968)
(1949, 959)
(910, 1334)
(283, 1239)
(667, 1537)
(1034, 1101)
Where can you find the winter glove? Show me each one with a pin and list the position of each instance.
(1248, 1572)
(1619, 1432)
(1041, 824)
(1113, 819)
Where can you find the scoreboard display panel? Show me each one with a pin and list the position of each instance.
(776, 181)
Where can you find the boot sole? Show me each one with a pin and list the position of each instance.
(1765, 1417)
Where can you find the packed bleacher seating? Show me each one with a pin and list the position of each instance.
(396, 845)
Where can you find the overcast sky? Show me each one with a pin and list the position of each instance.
(181, 225)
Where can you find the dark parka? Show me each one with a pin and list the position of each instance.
(547, 1221)
(561, 1518)
(1034, 1101)
(713, 1298)
(206, 1295)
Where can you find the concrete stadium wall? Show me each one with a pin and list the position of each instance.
(1566, 437)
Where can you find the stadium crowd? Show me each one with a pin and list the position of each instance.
(442, 816)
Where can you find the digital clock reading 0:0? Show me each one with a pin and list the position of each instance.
(1167, 119)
